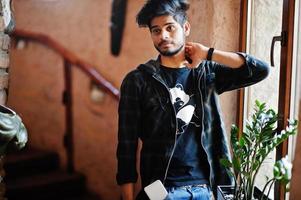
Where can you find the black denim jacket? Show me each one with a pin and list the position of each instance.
(146, 112)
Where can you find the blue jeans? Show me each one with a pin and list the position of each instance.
(194, 192)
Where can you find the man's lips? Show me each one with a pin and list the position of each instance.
(163, 44)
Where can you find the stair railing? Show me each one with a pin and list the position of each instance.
(70, 60)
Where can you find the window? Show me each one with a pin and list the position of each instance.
(261, 21)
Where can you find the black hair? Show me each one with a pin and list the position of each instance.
(155, 8)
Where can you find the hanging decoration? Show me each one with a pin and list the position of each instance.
(117, 25)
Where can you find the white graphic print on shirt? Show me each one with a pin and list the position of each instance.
(184, 106)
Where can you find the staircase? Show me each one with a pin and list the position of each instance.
(35, 175)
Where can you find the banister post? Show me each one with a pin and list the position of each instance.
(67, 100)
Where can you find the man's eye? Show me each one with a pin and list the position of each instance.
(170, 28)
(155, 31)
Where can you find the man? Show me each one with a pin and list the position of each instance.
(172, 106)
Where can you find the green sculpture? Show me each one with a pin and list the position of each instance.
(13, 136)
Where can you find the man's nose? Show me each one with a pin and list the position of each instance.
(164, 35)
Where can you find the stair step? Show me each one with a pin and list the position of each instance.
(52, 185)
(30, 161)
(83, 197)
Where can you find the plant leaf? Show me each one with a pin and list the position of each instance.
(226, 163)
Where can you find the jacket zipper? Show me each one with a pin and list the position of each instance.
(174, 146)
(199, 87)
(175, 138)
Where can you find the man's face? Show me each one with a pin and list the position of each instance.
(168, 35)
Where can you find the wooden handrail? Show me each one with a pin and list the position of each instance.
(70, 58)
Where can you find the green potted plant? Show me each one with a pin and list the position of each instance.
(250, 150)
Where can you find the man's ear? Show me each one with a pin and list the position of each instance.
(187, 28)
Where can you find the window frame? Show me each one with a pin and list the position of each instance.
(286, 61)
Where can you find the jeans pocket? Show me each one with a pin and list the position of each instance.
(201, 193)
(178, 194)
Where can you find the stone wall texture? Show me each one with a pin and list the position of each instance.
(36, 80)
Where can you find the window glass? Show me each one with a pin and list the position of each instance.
(264, 22)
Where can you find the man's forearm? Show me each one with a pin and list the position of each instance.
(198, 52)
(229, 59)
(127, 191)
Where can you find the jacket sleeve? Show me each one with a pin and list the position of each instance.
(129, 127)
(253, 71)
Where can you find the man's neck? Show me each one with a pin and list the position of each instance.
(175, 61)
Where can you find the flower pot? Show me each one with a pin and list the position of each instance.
(225, 192)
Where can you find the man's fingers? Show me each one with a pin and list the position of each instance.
(188, 49)
(189, 43)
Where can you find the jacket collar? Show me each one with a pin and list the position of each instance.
(153, 67)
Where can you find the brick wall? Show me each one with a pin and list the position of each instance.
(6, 26)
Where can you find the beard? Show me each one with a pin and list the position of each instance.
(169, 52)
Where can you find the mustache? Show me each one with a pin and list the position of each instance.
(163, 42)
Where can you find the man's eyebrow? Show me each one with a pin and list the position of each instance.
(152, 27)
(168, 23)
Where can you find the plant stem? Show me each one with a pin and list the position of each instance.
(270, 189)
(253, 175)
(266, 185)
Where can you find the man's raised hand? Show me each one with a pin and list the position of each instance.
(196, 52)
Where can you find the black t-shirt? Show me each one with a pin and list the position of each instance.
(189, 163)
